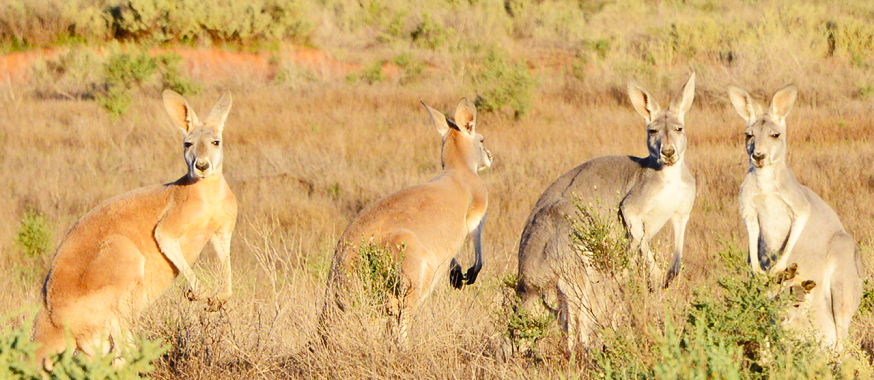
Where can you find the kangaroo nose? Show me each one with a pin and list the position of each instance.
(758, 156)
(201, 165)
(669, 151)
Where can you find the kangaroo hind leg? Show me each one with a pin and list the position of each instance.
(416, 279)
(846, 285)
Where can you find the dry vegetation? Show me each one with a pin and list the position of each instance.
(306, 149)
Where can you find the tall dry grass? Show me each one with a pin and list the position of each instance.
(308, 149)
(303, 163)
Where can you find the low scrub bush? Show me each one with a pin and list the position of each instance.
(729, 332)
(34, 237)
(122, 76)
(17, 357)
(378, 274)
(524, 329)
(501, 82)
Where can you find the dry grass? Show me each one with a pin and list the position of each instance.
(306, 155)
(303, 163)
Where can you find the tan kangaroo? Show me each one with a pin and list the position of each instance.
(789, 223)
(647, 192)
(123, 254)
(430, 222)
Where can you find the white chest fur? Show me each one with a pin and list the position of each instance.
(673, 195)
(772, 210)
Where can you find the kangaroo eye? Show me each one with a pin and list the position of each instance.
(775, 135)
(679, 129)
(216, 143)
(188, 144)
(748, 134)
(653, 131)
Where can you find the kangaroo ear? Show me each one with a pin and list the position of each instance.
(179, 110)
(465, 116)
(643, 102)
(683, 101)
(782, 103)
(744, 104)
(220, 111)
(439, 120)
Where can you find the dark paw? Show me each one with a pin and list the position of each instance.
(470, 276)
(456, 277)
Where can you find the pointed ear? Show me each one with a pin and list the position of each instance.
(683, 101)
(439, 120)
(465, 116)
(179, 110)
(220, 111)
(782, 103)
(744, 104)
(643, 102)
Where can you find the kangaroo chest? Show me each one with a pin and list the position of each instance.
(662, 200)
(774, 220)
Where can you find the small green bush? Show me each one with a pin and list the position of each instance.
(71, 75)
(116, 84)
(373, 73)
(411, 69)
(34, 236)
(601, 242)
(501, 81)
(524, 329)
(17, 357)
(168, 65)
(379, 274)
(428, 33)
(730, 332)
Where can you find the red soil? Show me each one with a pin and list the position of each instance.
(205, 64)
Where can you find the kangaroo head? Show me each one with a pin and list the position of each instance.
(799, 291)
(461, 144)
(203, 140)
(766, 131)
(666, 137)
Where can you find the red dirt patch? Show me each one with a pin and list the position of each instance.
(204, 64)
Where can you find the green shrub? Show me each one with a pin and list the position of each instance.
(379, 274)
(411, 69)
(524, 329)
(70, 75)
(193, 21)
(600, 241)
(168, 65)
(501, 81)
(373, 73)
(429, 34)
(17, 357)
(34, 236)
(730, 332)
(114, 87)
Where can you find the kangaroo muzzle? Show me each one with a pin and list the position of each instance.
(201, 167)
(669, 155)
(758, 159)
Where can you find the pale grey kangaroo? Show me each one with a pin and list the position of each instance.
(647, 192)
(788, 223)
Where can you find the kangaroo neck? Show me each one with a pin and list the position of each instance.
(456, 154)
(207, 186)
(770, 178)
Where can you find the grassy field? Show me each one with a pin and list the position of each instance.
(309, 143)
